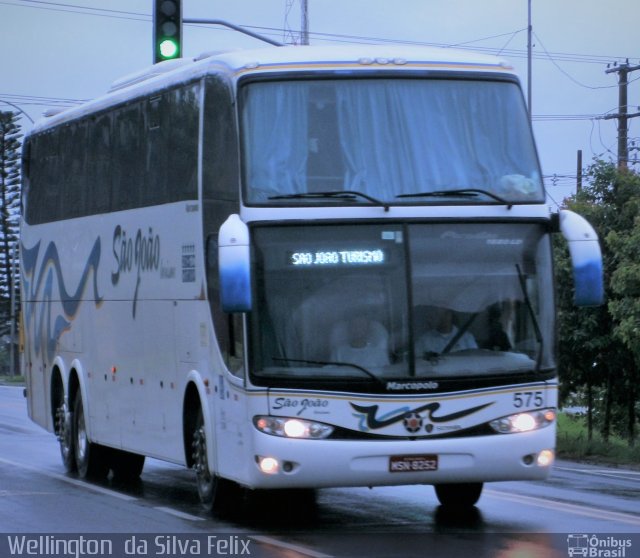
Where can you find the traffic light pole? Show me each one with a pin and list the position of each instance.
(234, 27)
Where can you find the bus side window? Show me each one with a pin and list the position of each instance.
(46, 179)
(229, 328)
(98, 163)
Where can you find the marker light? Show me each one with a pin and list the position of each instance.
(524, 422)
(292, 428)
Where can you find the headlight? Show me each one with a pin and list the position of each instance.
(524, 422)
(292, 428)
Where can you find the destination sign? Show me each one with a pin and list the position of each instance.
(337, 258)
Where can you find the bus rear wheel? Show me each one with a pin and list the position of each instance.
(91, 459)
(64, 432)
(459, 495)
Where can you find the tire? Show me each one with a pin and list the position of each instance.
(91, 459)
(461, 495)
(64, 432)
(216, 494)
(127, 467)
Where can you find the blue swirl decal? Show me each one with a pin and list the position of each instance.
(40, 324)
(369, 421)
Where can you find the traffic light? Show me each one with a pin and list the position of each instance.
(167, 30)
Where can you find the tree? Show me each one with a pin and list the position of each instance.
(9, 212)
(625, 285)
(600, 347)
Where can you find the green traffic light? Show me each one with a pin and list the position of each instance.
(168, 48)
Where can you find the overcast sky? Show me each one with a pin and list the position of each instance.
(61, 50)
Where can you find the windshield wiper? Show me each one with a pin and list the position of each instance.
(349, 195)
(534, 320)
(460, 192)
(333, 363)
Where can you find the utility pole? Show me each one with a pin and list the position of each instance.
(623, 116)
(579, 172)
(304, 26)
(529, 56)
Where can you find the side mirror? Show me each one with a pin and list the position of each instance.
(234, 265)
(586, 259)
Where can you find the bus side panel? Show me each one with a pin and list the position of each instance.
(102, 291)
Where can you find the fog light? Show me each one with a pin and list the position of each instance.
(545, 458)
(268, 465)
(528, 459)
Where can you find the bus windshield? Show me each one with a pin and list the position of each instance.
(388, 302)
(397, 141)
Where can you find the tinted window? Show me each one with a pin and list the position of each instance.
(139, 154)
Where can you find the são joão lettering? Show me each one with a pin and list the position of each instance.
(139, 253)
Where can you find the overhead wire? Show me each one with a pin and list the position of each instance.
(333, 37)
(553, 57)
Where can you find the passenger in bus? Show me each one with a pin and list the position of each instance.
(498, 339)
(360, 341)
(444, 335)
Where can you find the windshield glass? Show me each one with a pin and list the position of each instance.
(391, 302)
(387, 138)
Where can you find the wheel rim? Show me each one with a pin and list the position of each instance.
(204, 478)
(81, 438)
(63, 430)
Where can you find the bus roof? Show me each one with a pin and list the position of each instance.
(351, 59)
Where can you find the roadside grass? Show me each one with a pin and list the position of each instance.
(573, 444)
(11, 380)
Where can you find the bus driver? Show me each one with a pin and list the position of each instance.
(436, 340)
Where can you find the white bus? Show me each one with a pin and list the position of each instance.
(298, 267)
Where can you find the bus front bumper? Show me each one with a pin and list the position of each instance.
(296, 463)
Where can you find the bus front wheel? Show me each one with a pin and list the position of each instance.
(215, 493)
(460, 495)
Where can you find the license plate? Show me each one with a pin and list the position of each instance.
(412, 463)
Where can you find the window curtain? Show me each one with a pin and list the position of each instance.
(415, 136)
(276, 138)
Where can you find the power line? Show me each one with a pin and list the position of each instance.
(563, 117)
(331, 37)
(77, 9)
(574, 80)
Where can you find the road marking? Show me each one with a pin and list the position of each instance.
(576, 509)
(9, 493)
(177, 513)
(288, 546)
(69, 480)
(626, 474)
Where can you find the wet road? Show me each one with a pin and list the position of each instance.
(512, 518)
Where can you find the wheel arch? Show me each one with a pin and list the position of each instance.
(57, 388)
(195, 397)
